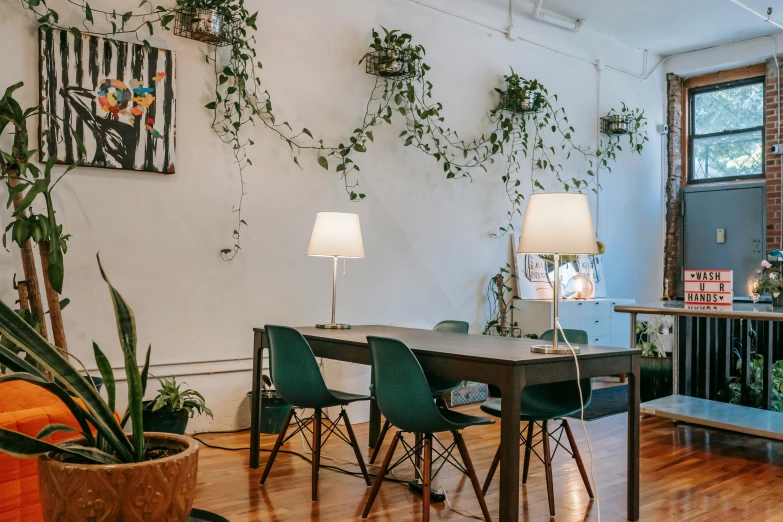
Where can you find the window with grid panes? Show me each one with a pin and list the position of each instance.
(726, 135)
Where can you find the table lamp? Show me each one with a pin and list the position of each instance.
(557, 224)
(336, 234)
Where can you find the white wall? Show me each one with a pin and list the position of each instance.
(426, 238)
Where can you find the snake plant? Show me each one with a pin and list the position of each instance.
(102, 438)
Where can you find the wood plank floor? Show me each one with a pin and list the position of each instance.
(688, 474)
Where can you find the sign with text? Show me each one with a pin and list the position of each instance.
(708, 289)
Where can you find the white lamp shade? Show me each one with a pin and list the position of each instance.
(558, 223)
(336, 234)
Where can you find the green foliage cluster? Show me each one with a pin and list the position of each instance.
(502, 303)
(650, 340)
(30, 183)
(240, 102)
(757, 383)
(171, 397)
(110, 444)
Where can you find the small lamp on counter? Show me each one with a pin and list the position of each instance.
(336, 235)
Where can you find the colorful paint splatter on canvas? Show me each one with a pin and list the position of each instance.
(119, 97)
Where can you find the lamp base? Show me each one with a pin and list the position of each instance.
(562, 349)
(333, 326)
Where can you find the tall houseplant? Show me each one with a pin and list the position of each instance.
(123, 470)
(656, 378)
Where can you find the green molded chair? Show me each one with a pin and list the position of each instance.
(438, 385)
(541, 404)
(298, 380)
(404, 398)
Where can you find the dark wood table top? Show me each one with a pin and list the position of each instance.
(489, 348)
(763, 311)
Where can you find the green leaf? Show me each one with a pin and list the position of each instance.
(307, 132)
(104, 367)
(323, 162)
(51, 429)
(211, 106)
(24, 446)
(77, 33)
(126, 330)
(88, 13)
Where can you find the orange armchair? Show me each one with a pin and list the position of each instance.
(27, 409)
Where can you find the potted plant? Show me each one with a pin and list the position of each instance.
(770, 282)
(104, 474)
(170, 410)
(655, 367)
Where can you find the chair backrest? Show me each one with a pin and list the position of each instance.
(401, 388)
(452, 326)
(295, 372)
(573, 336)
(560, 392)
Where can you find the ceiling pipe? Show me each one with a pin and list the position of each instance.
(552, 18)
(766, 17)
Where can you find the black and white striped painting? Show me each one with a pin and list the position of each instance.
(118, 97)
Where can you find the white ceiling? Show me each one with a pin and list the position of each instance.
(672, 26)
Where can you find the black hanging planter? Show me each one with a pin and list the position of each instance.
(520, 101)
(618, 124)
(391, 63)
(204, 25)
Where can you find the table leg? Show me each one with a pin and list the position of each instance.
(509, 446)
(255, 401)
(633, 440)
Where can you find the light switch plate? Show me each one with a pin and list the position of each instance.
(721, 235)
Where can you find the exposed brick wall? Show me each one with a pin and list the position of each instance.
(671, 260)
(772, 160)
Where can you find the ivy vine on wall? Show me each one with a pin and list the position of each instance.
(401, 88)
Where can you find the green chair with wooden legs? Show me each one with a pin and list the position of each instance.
(298, 380)
(540, 405)
(404, 397)
(438, 385)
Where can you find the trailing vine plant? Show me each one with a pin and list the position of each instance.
(240, 102)
(628, 122)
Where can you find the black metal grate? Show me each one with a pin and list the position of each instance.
(205, 25)
(391, 63)
(618, 124)
(520, 102)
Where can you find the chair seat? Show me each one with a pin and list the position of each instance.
(545, 401)
(343, 398)
(464, 420)
(440, 385)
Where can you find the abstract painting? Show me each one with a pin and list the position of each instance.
(118, 97)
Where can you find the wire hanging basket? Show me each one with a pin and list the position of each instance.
(205, 25)
(520, 101)
(391, 63)
(618, 124)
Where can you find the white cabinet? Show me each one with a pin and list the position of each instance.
(597, 317)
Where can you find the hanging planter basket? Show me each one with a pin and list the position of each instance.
(391, 63)
(520, 101)
(204, 25)
(618, 124)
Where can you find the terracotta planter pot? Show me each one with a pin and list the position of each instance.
(157, 490)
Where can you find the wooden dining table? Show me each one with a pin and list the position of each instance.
(505, 362)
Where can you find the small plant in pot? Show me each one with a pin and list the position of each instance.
(655, 367)
(170, 410)
(209, 21)
(102, 473)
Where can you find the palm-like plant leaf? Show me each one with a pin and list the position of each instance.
(16, 364)
(126, 329)
(25, 337)
(104, 367)
(22, 446)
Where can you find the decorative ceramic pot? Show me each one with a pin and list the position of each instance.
(155, 490)
(207, 26)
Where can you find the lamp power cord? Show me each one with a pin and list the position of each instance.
(582, 418)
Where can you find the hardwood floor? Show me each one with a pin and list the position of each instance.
(688, 474)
